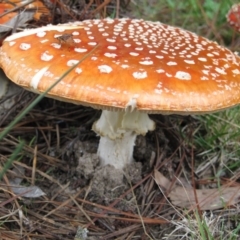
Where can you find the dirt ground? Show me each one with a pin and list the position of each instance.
(77, 191)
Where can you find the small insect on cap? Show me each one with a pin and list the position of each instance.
(147, 66)
(65, 39)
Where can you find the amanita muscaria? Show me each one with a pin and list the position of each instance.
(138, 67)
(9, 10)
(233, 16)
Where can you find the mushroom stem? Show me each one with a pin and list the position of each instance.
(118, 152)
(118, 131)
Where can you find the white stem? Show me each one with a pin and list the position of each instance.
(118, 152)
(118, 131)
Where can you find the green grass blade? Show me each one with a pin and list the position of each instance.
(13, 157)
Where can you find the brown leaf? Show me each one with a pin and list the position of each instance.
(161, 180)
(208, 199)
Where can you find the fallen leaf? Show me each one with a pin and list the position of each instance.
(17, 21)
(161, 180)
(207, 199)
(28, 192)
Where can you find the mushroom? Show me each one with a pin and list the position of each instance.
(138, 67)
(233, 16)
(9, 10)
(4, 7)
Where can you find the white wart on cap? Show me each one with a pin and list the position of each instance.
(137, 67)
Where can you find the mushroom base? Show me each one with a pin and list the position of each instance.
(118, 131)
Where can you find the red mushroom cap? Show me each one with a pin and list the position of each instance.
(148, 66)
(233, 16)
(37, 7)
(3, 8)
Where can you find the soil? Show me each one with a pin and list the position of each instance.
(106, 182)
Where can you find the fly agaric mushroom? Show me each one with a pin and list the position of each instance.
(139, 67)
(233, 16)
(36, 6)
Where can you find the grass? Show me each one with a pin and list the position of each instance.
(222, 135)
(206, 227)
(210, 142)
(206, 18)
